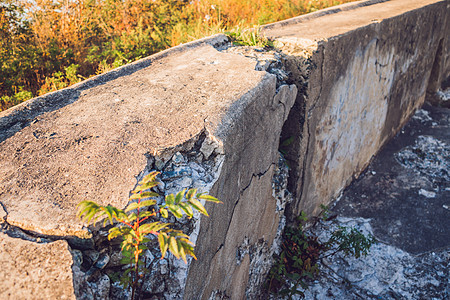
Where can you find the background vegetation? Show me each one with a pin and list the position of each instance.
(46, 45)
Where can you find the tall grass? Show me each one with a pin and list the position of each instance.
(46, 45)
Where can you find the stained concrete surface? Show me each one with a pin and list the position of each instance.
(361, 74)
(406, 197)
(403, 199)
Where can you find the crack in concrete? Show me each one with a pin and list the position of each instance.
(303, 171)
(259, 175)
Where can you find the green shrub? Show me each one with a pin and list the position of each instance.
(140, 219)
(301, 252)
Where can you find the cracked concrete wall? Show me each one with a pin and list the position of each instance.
(361, 74)
(205, 119)
(245, 186)
(211, 116)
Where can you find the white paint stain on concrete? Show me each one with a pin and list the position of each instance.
(350, 130)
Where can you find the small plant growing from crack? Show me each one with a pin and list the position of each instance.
(300, 254)
(249, 37)
(134, 226)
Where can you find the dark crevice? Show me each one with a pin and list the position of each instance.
(435, 80)
(259, 175)
(218, 249)
(4, 208)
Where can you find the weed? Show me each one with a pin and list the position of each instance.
(249, 37)
(133, 225)
(301, 252)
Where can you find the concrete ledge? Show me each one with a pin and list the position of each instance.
(20, 116)
(362, 73)
(342, 83)
(38, 271)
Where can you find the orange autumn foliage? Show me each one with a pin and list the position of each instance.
(49, 44)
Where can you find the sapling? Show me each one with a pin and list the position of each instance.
(140, 219)
(301, 252)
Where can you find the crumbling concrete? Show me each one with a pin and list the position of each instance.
(76, 153)
(203, 118)
(342, 83)
(361, 73)
(403, 200)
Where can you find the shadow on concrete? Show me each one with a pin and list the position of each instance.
(405, 191)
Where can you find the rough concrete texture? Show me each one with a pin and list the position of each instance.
(408, 186)
(35, 271)
(245, 186)
(403, 199)
(197, 111)
(213, 120)
(82, 150)
(387, 272)
(361, 73)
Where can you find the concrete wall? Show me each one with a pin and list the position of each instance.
(209, 115)
(362, 72)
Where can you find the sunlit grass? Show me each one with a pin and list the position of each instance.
(46, 45)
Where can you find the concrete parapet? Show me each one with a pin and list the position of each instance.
(361, 73)
(340, 84)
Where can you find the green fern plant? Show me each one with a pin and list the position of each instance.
(140, 219)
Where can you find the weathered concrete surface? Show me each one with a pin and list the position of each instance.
(406, 189)
(194, 107)
(193, 104)
(403, 199)
(361, 73)
(35, 271)
(96, 147)
(249, 210)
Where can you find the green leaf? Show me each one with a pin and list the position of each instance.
(146, 214)
(87, 210)
(143, 195)
(181, 250)
(113, 233)
(179, 196)
(152, 227)
(164, 213)
(125, 261)
(191, 193)
(170, 199)
(147, 203)
(149, 194)
(136, 205)
(175, 209)
(173, 246)
(131, 206)
(187, 209)
(198, 206)
(143, 247)
(118, 231)
(150, 177)
(145, 186)
(133, 216)
(163, 246)
(209, 198)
